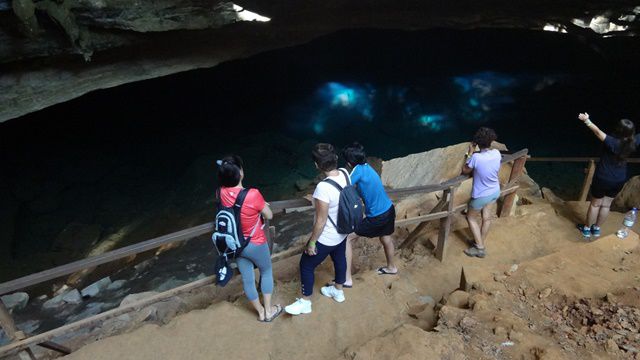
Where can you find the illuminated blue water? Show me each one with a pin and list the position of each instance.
(146, 151)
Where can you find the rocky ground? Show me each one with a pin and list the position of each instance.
(561, 298)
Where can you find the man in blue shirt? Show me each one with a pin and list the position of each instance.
(379, 210)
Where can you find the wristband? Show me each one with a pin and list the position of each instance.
(588, 122)
(312, 243)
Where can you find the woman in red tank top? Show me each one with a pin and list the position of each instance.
(254, 209)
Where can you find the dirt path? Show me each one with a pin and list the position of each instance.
(374, 322)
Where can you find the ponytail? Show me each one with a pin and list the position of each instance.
(229, 170)
(626, 132)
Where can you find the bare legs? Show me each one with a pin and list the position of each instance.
(389, 252)
(476, 227)
(479, 223)
(266, 311)
(486, 222)
(349, 256)
(598, 211)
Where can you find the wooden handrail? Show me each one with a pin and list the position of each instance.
(183, 235)
(43, 339)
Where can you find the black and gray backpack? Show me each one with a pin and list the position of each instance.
(350, 207)
(228, 237)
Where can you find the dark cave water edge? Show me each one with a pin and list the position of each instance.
(140, 156)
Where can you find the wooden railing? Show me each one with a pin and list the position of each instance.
(443, 211)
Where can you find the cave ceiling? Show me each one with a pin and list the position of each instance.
(54, 50)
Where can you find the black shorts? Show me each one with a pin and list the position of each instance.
(600, 189)
(381, 225)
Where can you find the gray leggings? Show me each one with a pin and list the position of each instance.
(260, 256)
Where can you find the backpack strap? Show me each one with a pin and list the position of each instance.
(332, 222)
(241, 196)
(337, 186)
(255, 228)
(238, 205)
(346, 176)
(218, 199)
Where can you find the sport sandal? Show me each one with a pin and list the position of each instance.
(475, 252)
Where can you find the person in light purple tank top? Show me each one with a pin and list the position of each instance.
(484, 165)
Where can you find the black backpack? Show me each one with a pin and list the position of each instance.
(350, 206)
(228, 237)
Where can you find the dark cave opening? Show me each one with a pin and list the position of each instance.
(141, 156)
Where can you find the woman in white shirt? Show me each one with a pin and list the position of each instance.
(325, 239)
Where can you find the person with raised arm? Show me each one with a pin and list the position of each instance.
(611, 172)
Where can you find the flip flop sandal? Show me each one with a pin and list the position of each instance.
(333, 282)
(383, 271)
(274, 316)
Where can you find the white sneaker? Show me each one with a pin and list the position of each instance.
(301, 306)
(332, 292)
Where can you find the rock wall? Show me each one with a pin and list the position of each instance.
(52, 51)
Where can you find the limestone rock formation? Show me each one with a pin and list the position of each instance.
(54, 50)
(429, 167)
(629, 196)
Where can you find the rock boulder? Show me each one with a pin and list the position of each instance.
(15, 301)
(430, 167)
(629, 196)
(95, 288)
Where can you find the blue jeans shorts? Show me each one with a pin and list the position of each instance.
(479, 203)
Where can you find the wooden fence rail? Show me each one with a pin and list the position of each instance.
(183, 235)
(439, 213)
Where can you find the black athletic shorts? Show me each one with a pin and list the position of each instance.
(600, 189)
(381, 225)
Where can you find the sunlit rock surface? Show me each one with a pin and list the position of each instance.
(53, 51)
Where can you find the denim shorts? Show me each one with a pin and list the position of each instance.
(479, 203)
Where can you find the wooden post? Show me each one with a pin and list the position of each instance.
(445, 225)
(55, 347)
(509, 199)
(6, 321)
(591, 169)
(413, 236)
(270, 233)
(9, 327)
(464, 283)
